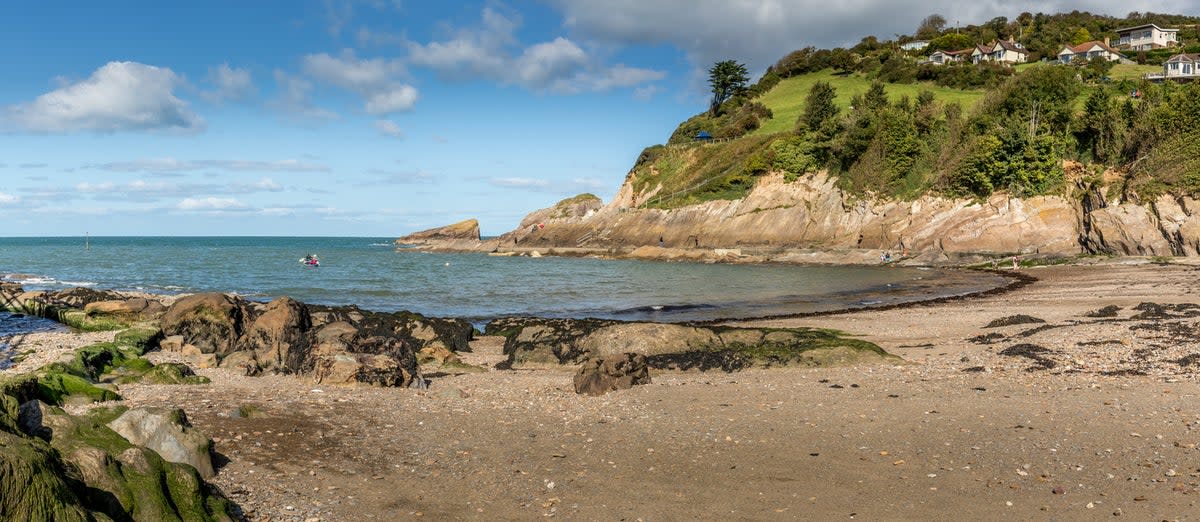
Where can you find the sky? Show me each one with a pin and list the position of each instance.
(376, 117)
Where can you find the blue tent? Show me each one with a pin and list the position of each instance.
(703, 135)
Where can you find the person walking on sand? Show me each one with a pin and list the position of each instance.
(1015, 262)
(661, 243)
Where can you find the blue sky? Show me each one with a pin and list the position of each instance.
(377, 117)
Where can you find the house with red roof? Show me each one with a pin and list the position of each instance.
(1089, 50)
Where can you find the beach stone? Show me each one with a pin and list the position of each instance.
(615, 372)
(172, 343)
(212, 322)
(351, 368)
(279, 337)
(168, 433)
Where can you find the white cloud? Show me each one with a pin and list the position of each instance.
(759, 32)
(161, 165)
(492, 51)
(229, 84)
(120, 96)
(388, 128)
(390, 177)
(294, 99)
(211, 203)
(397, 99)
(8, 199)
(574, 186)
(375, 80)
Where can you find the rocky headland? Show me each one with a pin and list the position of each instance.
(811, 220)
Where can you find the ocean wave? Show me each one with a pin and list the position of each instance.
(36, 280)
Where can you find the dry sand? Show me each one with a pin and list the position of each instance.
(1103, 423)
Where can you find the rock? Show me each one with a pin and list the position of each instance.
(212, 322)
(468, 229)
(614, 372)
(173, 343)
(350, 368)
(278, 337)
(132, 309)
(167, 432)
(533, 342)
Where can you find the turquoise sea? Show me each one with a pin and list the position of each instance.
(372, 274)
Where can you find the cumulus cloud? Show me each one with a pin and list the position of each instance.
(120, 96)
(166, 165)
(8, 199)
(375, 80)
(493, 52)
(759, 32)
(388, 128)
(229, 83)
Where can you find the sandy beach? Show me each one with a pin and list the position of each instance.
(1091, 413)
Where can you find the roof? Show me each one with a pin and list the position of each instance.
(1011, 46)
(703, 135)
(953, 53)
(1087, 46)
(1127, 29)
(1183, 57)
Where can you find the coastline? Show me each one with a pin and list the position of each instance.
(959, 428)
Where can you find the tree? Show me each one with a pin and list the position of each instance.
(819, 107)
(930, 27)
(1081, 35)
(726, 78)
(950, 42)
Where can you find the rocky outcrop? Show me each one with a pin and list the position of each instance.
(57, 466)
(463, 230)
(779, 217)
(534, 342)
(616, 372)
(81, 308)
(337, 345)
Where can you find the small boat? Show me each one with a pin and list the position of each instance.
(310, 261)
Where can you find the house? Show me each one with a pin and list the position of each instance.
(703, 136)
(944, 57)
(1145, 37)
(1003, 51)
(1182, 66)
(915, 45)
(1089, 50)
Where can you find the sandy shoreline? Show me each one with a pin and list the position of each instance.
(1106, 423)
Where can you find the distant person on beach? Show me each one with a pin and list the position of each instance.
(661, 243)
(1014, 262)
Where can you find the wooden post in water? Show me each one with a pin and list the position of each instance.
(87, 241)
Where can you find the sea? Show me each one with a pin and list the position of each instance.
(373, 274)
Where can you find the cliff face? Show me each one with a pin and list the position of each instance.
(463, 230)
(812, 213)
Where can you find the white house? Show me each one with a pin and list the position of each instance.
(1182, 66)
(915, 45)
(1089, 50)
(1003, 51)
(944, 57)
(1145, 37)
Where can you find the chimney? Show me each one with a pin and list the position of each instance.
(1010, 39)
(1106, 44)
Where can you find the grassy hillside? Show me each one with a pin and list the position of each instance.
(786, 100)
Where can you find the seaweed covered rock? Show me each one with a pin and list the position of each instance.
(212, 322)
(536, 342)
(279, 336)
(168, 433)
(67, 306)
(127, 310)
(615, 372)
(57, 466)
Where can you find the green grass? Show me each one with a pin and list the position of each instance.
(1122, 71)
(786, 100)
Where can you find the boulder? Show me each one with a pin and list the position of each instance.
(350, 368)
(279, 337)
(168, 433)
(132, 309)
(212, 322)
(615, 372)
(648, 339)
